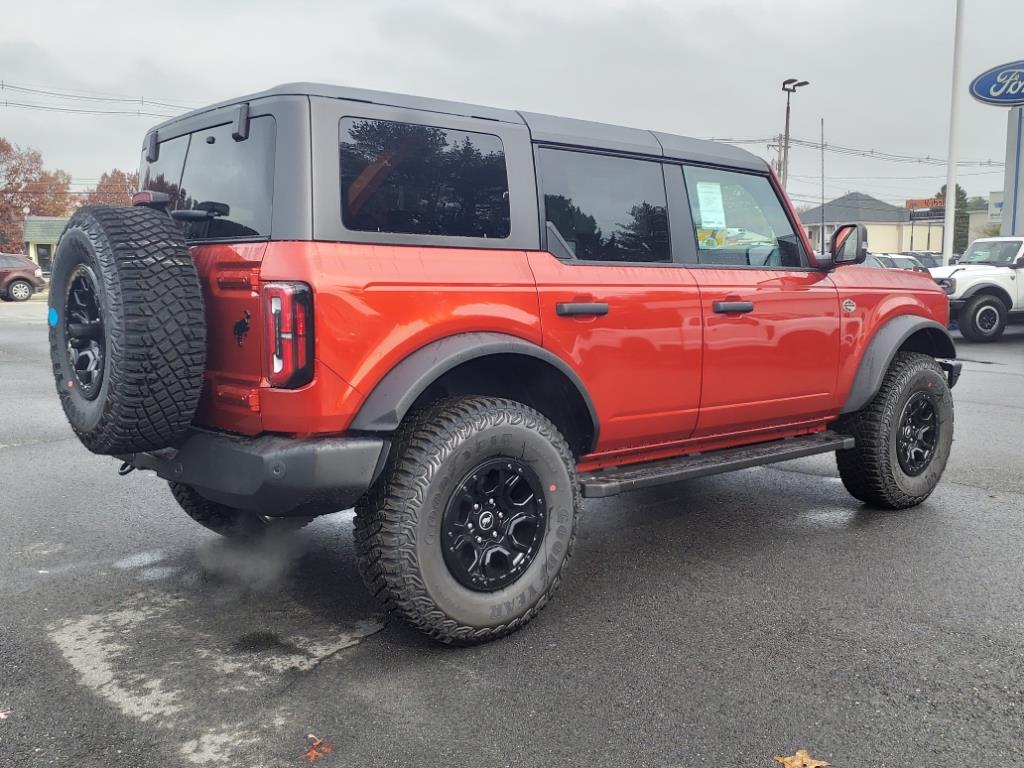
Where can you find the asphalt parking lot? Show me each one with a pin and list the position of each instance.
(719, 622)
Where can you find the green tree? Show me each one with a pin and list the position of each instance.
(961, 220)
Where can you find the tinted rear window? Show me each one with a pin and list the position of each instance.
(209, 170)
(421, 180)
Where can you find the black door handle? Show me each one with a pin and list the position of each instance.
(730, 307)
(581, 308)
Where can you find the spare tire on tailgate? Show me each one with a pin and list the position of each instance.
(127, 330)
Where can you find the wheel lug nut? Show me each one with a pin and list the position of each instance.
(476, 506)
(479, 540)
(494, 535)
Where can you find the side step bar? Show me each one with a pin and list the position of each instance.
(616, 480)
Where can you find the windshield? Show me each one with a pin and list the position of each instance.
(992, 252)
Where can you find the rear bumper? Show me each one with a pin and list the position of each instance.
(271, 475)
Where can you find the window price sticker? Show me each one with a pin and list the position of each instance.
(709, 202)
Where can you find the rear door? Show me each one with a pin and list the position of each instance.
(612, 301)
(771, 322)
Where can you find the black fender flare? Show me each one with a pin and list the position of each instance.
(393, 396)
(991, 288)
(883, 348)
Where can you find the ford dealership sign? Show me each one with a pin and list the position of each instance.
(1002, 85)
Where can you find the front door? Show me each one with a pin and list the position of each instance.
(771, 322)
(613, 303)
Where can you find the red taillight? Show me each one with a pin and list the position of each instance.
(288, 313)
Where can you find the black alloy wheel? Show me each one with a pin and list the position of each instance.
(494, 524)
(918, 434)
(83, 323)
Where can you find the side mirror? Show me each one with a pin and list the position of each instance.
(850, 244)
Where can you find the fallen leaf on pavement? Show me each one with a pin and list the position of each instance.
(320, 748)
(5, 713)
(802, 759)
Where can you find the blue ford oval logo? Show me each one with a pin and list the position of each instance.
(1003, 85)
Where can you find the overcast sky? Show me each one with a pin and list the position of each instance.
(879, 70)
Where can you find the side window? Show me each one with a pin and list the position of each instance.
(420, 180)
(605, 208)
(739, 221)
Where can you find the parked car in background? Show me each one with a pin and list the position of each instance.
(876, 261)
(902, 261)
(930, 259)
(983, 287)
(19, 277)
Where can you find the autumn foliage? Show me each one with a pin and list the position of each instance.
(114, 188)
(24, 182)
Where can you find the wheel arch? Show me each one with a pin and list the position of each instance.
(990, 289)
(905, 333)
(493, 364)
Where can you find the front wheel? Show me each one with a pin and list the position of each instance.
(466, 534)
(903, 435)
(983, 318)
(19, 290)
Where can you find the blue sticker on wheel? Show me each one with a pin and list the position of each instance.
(52, 317)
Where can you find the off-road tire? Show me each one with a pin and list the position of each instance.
(967, 319)
(154, 331)
(231, 522)
(398, 522)
(24, 294)
(871, 470)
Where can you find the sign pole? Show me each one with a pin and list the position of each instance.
(949, 222)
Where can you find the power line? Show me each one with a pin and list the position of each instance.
(872, 178)
(64, 93)
(82, 111)
(859, 152)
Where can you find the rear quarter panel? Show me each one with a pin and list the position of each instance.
(376, 304)
(879, 295)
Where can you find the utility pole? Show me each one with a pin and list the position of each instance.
(823, 185)
(789, 85)
(949, 222)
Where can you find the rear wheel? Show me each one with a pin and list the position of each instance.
(903, 435)
(231, 522)
(466, 533)
(19, 290)
(983, 318)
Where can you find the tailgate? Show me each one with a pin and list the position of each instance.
(234, 356)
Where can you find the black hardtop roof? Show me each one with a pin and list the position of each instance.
(543, 128)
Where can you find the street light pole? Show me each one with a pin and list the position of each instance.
(789, 85)
(949, 222)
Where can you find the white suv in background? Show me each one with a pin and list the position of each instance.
(986, 287)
